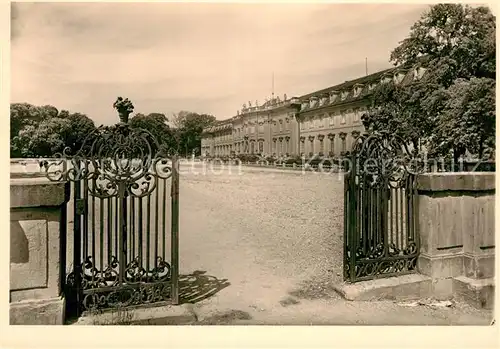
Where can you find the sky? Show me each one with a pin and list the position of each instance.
(205, 58)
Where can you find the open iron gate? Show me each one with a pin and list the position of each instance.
(125, 228)
(380, 235)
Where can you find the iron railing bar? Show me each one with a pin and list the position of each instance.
(391, 212)
(416, 215)
(347, 262)
(117, 226)
(383, 216)
(85, 219)
(175, 232)
(76, 243)
(157, 212)
(396, 203)
(164, 213)
(353, 247)
(109, 202)
(132, 228)
(403, 232)
(94, 261)
(364, 219)
(148, 230)
(101, 236)
(123, 231)
(140, 238)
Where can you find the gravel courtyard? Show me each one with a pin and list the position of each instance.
(268, 232)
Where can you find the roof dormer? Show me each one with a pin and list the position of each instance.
(386, 77)
(344, 94)
(333, 96)
(323, 99)
(418, 72)
(313, 101)
(357, 89)
(399, 75)
(304, 105)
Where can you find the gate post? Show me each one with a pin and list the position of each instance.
(175, 230)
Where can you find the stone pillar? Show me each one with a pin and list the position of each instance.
(36, 269)
(457, 233)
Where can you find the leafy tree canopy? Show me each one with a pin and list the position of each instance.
(43, 130)
(189, 129)
(451, 109)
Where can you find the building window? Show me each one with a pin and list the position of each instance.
(356, 114)
(343, 144)
(261, 147)
(332, 145)
(321, 146)
(332, 119)
(261, 128)
(342, 117)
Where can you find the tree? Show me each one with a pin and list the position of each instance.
(43, 131)
(468, 118)
(190, 127)
(156, 124)
(456, 45)
(80, 130)
(22, 114)
(45, 139)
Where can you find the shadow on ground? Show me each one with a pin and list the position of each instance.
(198, 286)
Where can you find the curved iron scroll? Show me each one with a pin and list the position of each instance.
(113, 155)
(380, 237)
(383, 156)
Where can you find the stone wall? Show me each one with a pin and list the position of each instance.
(36, 209)
(456, 220)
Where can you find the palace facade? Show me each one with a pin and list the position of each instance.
(324, 122)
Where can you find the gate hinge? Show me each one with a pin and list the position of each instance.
(80, 207)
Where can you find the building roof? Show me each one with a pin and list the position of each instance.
(363, 80)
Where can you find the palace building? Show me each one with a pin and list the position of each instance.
(324, 122)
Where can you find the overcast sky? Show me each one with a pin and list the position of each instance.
(207, 58)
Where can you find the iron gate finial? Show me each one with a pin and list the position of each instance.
(124, 108)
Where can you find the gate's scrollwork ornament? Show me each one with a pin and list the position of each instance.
(383, 158)
(114, 157)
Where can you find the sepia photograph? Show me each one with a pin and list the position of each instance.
(252, 164)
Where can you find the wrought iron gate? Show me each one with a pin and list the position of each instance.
(125, 228)
(380, 239)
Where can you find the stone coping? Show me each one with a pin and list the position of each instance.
(456, 181)
(36, 192)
